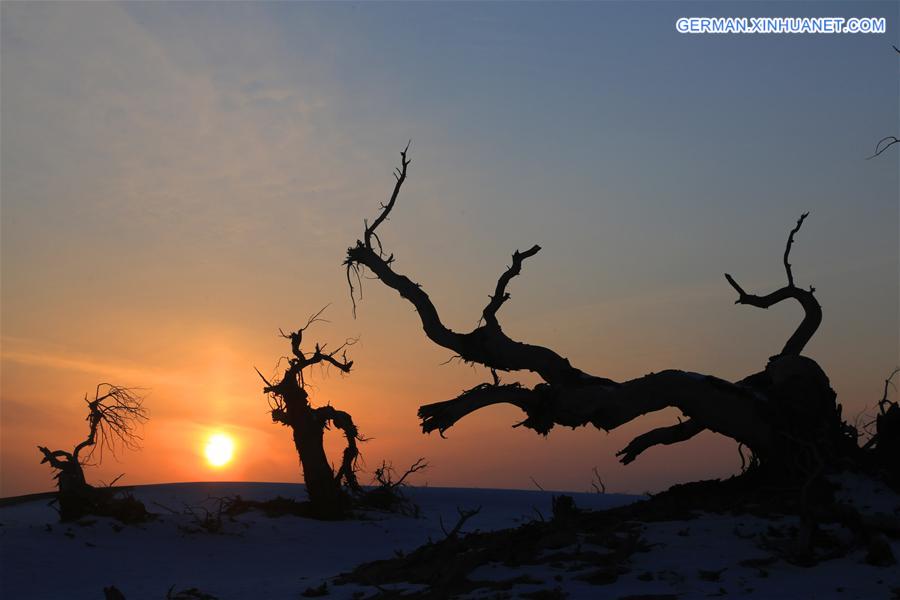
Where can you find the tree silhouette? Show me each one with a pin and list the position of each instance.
(786, 414)
(884, 444)
(329, 491)
(113, 416)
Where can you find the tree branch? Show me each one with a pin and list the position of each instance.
(400, 176)
(343, 421)
(431, 321)
(711, 403)
(672, 434)
(464, 515)
(443, 415)
(417, 466)
(500, 294)
(787, 248)
(812, 310)
(486, 345)
(301, 361)
(891, 140)
(54, 456)
(113, 416)
(573, 398)
(261, 376)
(344, 364)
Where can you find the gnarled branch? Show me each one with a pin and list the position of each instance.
(486, 344)
(710, 403)
(787, 248)
(672, 434)
(53, 457)
(346, 474)
(464, 515)
(571, 397)
(441, 416)
(812, 310)
(113, 417)
(400, 176)
(881, 146)
(500, 294)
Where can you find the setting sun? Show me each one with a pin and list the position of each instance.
(219, 450)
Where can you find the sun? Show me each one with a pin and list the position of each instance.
(219, 450)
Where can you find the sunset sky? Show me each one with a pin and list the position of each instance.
(181, 180)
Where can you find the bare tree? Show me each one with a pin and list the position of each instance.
(885, 443)
(786, 414)
(290, 406)
(113, 416)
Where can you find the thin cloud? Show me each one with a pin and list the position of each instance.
(109, 369)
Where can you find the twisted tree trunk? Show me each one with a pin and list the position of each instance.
(327, 489)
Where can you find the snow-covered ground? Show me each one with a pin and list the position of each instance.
(256, 557)
(707, 557)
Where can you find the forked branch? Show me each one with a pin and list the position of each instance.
(500, 294)
(812, 317)
(384, 475)
(883, 144)
(486, 344)
(301, 360)
(400, 176)
(113, 417)
(573, 398)
(886, 403)
(464, 515)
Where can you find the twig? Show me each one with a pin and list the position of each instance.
(891, 140)
(597, 482)
(464, 515)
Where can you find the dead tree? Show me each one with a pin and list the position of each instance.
(113, 416)
(884, 445)
(786, 414)
(329, 491)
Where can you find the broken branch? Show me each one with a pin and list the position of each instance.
(500, 294)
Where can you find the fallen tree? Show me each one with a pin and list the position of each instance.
(786, 414)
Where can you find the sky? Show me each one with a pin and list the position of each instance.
(180, 180)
